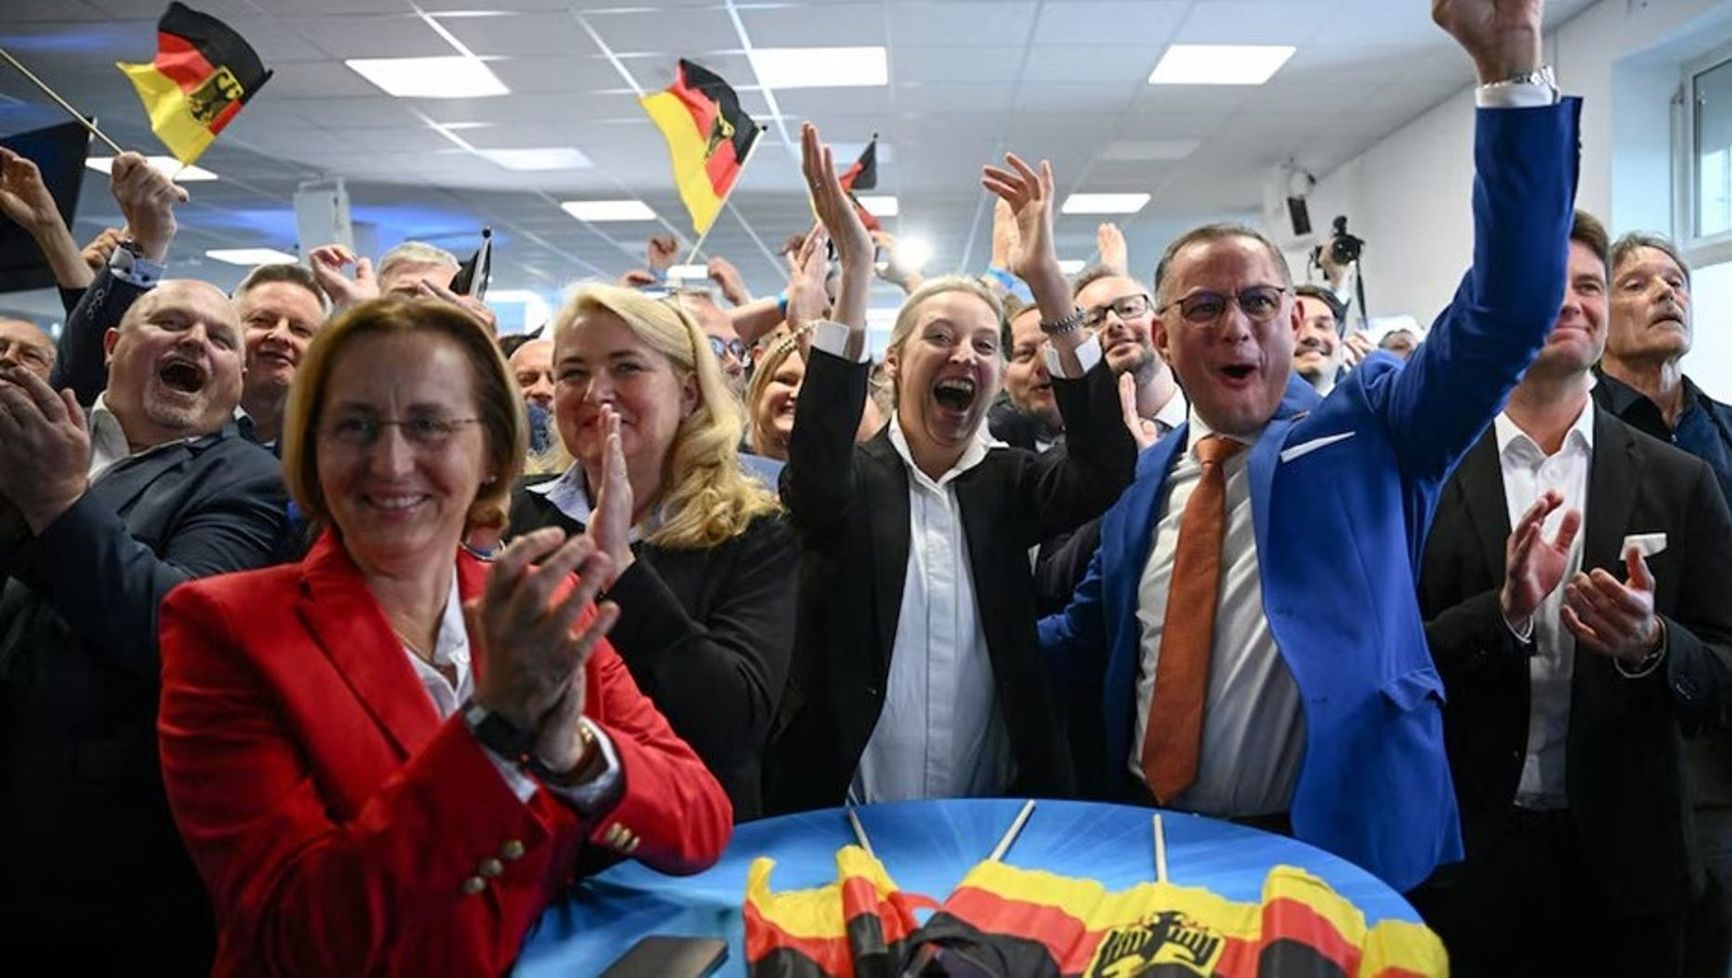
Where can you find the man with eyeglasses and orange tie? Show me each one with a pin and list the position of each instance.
(1250, 618)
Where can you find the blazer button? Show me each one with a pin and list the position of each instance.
(874, 692)
(473, 885)
(490, 867)
(512, 849)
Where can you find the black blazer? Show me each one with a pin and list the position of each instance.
(81, 363)
(87, 841)
(707, 634)
(1626, 785)
(850, 506)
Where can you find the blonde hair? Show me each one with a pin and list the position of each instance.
(707, 497)
(498, 405)
(764, 368)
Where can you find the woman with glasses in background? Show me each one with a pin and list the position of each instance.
(704, 564)
(390, 757)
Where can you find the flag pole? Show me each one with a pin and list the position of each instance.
(698, 246)
(51, 93)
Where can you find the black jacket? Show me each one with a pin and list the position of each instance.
(87, 841)
(707, 634)
(850, 506)
(1626, 786)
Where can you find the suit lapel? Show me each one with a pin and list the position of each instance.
(1479, 479)
(349, 628)
(124, 481)
(1611, 493)
(1128, 530)
(886, 492)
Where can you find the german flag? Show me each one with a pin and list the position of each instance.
(708, 136)
(1009, 921)
(863, 175)
(203, 73)
(856, 926)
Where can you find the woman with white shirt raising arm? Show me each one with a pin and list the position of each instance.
(916, 670)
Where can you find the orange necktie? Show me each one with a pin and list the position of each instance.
(1174, 737)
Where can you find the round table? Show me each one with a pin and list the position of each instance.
(927, 847)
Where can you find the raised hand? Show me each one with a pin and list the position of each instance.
(44, 447)
(1610, 617)
(146, 197)
(1358, 346)
(610, 521)
(1005, 246)
(1115, 254)
(1143, 431)
(663, 251)
(24, 197)
(1029, 196)
(95, 254)
(728, 279)
(527, 638)
(1534, 566)
(895, 269)
(474, 306)
(807, 270)
(328, 262)
(1501, 36)
(840, 218)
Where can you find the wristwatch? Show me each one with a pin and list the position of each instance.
(1541, 77)
(498, 734)
(129, 264)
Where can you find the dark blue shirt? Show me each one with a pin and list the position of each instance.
(1704, 425)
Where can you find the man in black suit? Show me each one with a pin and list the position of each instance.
(102, 511)
(1574, 651)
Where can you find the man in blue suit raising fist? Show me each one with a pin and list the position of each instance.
(1250, 617)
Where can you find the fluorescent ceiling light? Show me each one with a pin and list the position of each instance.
(1071, 266)
(546, 158)
(1104, 203)
(820, 67)
(1219, 64)
(884, 205)
(1140, 150)
(162, 164)
(690, 273)
(250, 256)
(450, 76)
(608, 210)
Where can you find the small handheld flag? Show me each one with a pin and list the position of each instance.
(709, 137)
(473, 275)
(202, 75)
(863, 175)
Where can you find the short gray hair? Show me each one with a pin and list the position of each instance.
(419, 253)
(1217, 232)
(1626, 247)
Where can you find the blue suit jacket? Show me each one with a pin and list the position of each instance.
(1342, 492)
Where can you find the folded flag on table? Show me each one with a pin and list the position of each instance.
(856, 927)
(863, 175)
(709, 137)
(1007, 921)
(202, 75)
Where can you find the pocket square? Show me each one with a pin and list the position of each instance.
(1307, 447)
(1647, 544)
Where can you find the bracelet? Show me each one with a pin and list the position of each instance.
(586, 769)
(1065, 326)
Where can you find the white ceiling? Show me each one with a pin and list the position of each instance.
(1063, 79)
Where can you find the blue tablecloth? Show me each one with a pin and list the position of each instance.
(927, 847)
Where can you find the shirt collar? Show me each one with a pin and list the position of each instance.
(1199, 430)
(107, 437)
(973, 455)
(570, 495)
(1580, 436)
(1173, 413)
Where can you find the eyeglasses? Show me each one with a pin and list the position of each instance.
(723, 347)
(423, 432)
(1259, 303)
(1125, 307)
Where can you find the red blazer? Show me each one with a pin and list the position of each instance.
(341, 827)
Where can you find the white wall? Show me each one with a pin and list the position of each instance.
(1408, 195)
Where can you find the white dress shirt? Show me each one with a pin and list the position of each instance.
(451, 650)
(1253, 726)
(941, 732)
(1528, 472)
(108, 444)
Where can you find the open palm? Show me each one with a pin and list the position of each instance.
(1535, 566)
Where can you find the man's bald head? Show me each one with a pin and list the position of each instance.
(174, 363)
(24, 344)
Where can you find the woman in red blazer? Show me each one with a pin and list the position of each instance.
(369, 783)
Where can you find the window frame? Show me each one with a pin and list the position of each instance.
(1699, 250)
